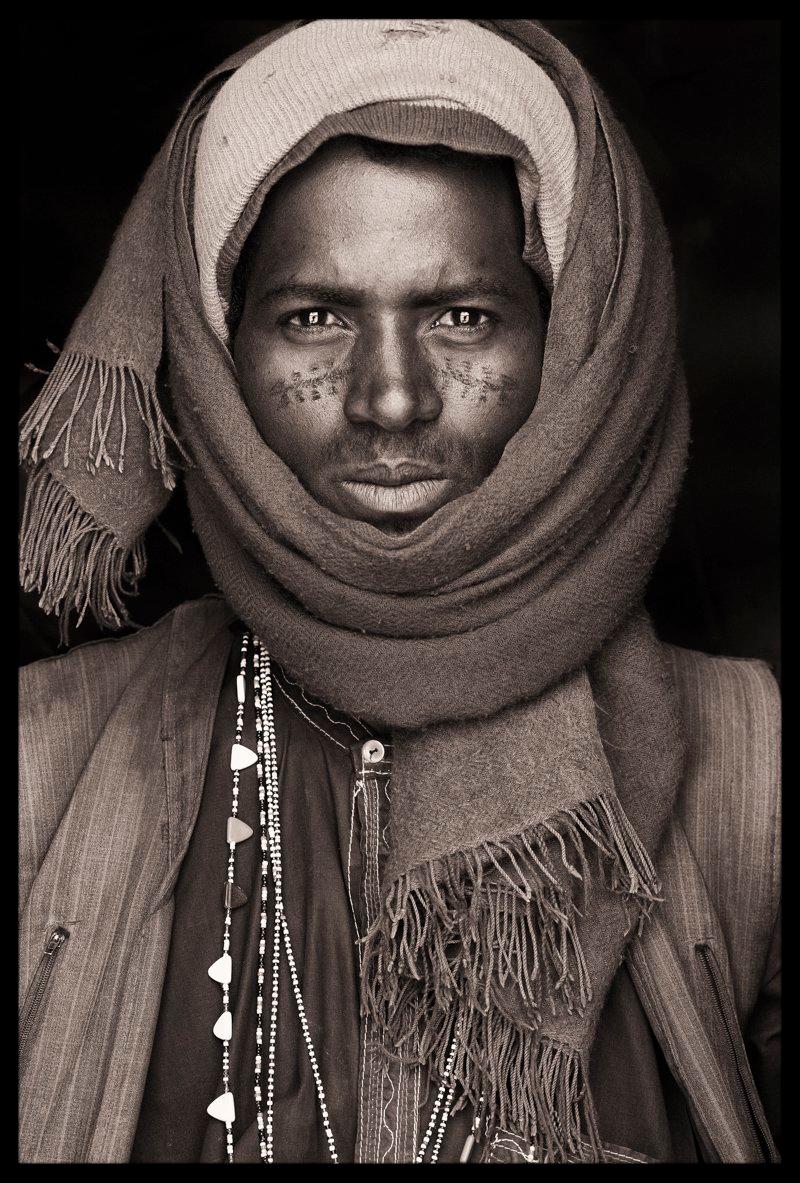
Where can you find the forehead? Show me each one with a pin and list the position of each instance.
(346, 213)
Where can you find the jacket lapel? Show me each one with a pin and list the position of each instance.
(198, 652)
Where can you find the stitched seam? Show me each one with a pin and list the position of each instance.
(358, 787)
(618, 1154)
(321, 706)
(300, 711)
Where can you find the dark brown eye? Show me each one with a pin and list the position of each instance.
(310, 317)
(463, 318)
(312, 320)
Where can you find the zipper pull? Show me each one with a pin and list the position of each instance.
(55, 941)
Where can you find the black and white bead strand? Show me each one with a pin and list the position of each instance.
(443, 1102)
(265, 1111)
(237, 831)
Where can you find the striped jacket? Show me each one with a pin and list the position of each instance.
(114, 739)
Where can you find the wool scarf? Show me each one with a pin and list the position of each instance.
(536, 745)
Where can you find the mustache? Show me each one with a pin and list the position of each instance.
(423, 443)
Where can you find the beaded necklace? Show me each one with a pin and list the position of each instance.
(266, 764)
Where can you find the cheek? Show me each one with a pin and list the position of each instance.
(296, 392)
(293, 408)
(486, 399)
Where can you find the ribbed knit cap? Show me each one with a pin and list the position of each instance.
(407, 81)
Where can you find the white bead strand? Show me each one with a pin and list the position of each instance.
(268, 753)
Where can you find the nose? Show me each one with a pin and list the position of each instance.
(392, 385)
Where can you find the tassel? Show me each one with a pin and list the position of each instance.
(74, 564)
(113, 386)
(463, 938)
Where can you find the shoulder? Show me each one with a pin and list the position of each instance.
(121, 654)
(65, 701)
(113, 690)
(705, 683)
(731, 713)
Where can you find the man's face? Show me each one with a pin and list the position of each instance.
(391, 338)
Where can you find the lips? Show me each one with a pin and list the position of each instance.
(395, 489)
(413, 499)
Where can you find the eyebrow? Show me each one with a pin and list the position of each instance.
(354, 297)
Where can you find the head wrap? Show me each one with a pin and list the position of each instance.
(419, 82)
(535, 733)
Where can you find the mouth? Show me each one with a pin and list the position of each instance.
(409, 500)
(404, 489)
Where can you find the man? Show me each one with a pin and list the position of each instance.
(416, 845)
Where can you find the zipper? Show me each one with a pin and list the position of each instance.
(38, 986)
(730, 1022)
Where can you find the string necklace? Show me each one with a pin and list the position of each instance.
(265, 760)
(266, 764)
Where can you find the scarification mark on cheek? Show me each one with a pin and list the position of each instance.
(312, 385)
(477, 382)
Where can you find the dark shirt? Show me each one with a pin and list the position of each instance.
(638, 1104)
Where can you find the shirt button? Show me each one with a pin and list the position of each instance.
(373, 751)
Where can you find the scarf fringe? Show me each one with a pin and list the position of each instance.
(463, 938)
(114, 386)
(535, 1089)
(75, 564)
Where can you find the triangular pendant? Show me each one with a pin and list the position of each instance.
(233, 896)
(242, 757)
(238, 830)
(223, 1109)
(220, 971)
(224, 1025)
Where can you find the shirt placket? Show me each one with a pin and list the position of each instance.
(388, 1092)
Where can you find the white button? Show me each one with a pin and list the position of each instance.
(373, 751)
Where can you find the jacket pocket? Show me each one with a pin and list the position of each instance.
(38, 989)
(730, 1022)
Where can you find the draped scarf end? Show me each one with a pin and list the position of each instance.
(117, 389)
(72, 562)
(482, 946)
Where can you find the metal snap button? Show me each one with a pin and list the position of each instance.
(373, 751)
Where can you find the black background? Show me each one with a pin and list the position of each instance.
(700, 100)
